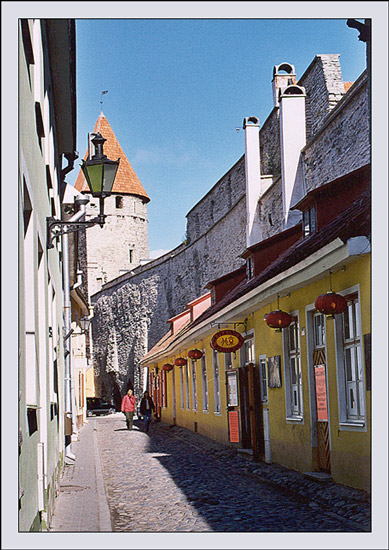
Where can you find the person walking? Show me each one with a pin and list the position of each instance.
(146, 408)
(128, 408)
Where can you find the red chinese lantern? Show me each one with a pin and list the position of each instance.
(180, 361)
(278, 319)
(167, 367)
(331, 304)
(195, 354)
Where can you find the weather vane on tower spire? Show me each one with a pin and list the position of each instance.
(101, 97)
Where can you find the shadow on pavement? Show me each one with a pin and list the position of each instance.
(226, 496)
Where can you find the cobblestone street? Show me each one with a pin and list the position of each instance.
(158, 482)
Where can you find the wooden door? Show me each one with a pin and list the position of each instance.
(245, 414)
(322, 427)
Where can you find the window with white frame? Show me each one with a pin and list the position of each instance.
(163, 387)
(293, 378)
(204, 381)
(194, 385)
(216, 383)
(263, 378)
(350, 365)
(187, 398)
(319, 331)
(182, 387)
(246, 352)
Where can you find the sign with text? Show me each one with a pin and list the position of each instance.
(232, 389)
(226, 341)
(233, 420)
(321, 392)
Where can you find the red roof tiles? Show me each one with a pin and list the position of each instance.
(126, 182)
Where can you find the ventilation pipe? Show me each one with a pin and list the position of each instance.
(283, 75)
(253, 180)
(293, 139)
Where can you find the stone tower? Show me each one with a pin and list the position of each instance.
(122, 243)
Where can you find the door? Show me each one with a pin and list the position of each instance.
(320, 380)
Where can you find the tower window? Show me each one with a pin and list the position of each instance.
(119, 202)
(131, 256)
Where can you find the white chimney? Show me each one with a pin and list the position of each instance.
(293, 139)
(253, 180)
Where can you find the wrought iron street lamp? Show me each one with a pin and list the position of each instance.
(100, 173)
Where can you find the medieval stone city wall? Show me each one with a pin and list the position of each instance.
(131, 312)
(343, 144)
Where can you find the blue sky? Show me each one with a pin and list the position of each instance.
(179, 88)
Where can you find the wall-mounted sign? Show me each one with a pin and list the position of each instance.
(274, 370)
(321, 392)
(232, 389)
(227, 341)
(233, 420)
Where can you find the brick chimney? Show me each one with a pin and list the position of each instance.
(293, 138)
(253, 180)
(283, 75)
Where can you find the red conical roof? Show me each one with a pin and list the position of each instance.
(126, 181)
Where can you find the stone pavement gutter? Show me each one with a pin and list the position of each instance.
(350, 504)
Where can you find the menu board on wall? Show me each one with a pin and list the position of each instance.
(232, 389)
(321, 392)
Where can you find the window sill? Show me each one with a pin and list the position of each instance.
(352, 424)
(217, 413)
(294, 418)
(205, 411)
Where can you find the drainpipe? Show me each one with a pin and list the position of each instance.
(70, 403)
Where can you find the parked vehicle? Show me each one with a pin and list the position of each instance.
(98, 407)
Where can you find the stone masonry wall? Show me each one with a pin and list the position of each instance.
(126, 224)
(343, 145)
(324, 88)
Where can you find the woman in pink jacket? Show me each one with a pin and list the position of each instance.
(128, 408)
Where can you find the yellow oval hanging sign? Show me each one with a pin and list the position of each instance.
(226, 341)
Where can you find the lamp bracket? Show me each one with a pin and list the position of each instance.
(218, 325)
(55, 228)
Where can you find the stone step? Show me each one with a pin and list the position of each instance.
(323, 477)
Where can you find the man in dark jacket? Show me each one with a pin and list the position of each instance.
(146, 408)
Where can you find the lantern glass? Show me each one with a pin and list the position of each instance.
(100, 175)
(85, 323)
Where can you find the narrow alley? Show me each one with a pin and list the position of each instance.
(170, 480)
